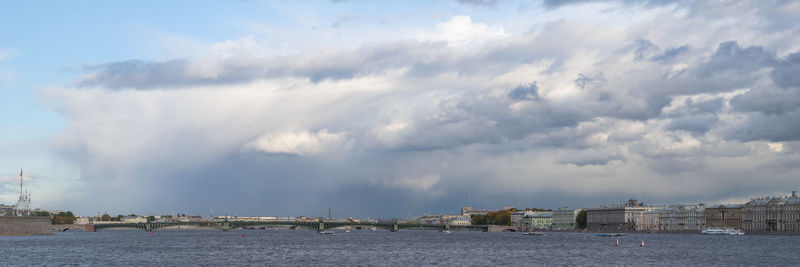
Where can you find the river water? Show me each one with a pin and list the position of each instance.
(404, 248)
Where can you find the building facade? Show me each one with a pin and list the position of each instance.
(729, 216)
(772, 215)
(518, 216)
(538, 220)
(647, 221)
(564, 218)
(469, 211)
(617, 218)
(682, 218)
(6, 210)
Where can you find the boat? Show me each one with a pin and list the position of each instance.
(611, 235)
(721, 231)
(326, 233)
(533, 233)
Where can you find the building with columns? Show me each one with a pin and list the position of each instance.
(682, 218)
(729, 216)
(647, 221)
(620, 218)
(772, 215)
(538, 220)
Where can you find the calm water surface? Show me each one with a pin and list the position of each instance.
(404, 248)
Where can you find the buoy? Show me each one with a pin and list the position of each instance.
(618, 242)
(642, 243)
(152, 232)
(242, 235)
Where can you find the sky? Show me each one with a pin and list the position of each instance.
(396, 109)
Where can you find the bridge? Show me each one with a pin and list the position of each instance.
(319, 225)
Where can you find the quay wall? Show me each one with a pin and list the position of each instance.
(73, 227)
(25, 225)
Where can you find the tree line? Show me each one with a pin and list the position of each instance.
(64, 217)
(503, 217)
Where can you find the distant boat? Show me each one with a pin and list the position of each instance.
(611, 235)
(533, 233)
(721, 231)
(326, 233)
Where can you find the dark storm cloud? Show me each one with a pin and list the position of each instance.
(696, 124)
(767, 100)
(670, 54)
(730, 57)
(787, 71)
(525, 92)
(590, 157)
(775, 127)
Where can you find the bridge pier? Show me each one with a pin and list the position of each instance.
(321, 225)
(395, 228)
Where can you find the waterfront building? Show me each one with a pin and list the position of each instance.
(682, 218)
(460, 221)
(469, 211)
(452, 219)
(724, 216)
(647, 221)
(616, 218)
(83, 220)
(771, 215)
(134, 219)
(538, 220)
(564, 218)
(518, 216)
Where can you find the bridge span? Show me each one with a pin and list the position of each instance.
(319, 225)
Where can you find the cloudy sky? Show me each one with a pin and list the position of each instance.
(395, 109)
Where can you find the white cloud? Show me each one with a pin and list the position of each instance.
(299, 143)
(461, 31)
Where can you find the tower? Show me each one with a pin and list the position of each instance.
(24, 203)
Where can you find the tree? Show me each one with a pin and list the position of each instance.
(151, 218)
(105, 217)
(502, 217)
(580, 220)
(41, 213)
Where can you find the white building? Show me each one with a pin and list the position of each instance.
(647, 221)
(682, 218)
(616, 218)
(769, 215)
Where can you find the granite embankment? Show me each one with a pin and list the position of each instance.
(25, 225)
